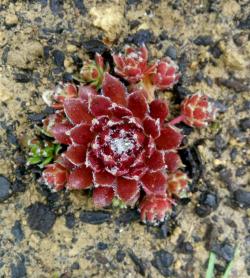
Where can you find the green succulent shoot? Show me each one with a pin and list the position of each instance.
(42, 152)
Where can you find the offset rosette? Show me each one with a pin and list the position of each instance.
(133, 65)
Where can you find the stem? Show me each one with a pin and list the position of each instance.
(176, 120)
(211, 263)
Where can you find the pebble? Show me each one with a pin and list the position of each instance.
(120, 256)
(233, 154)
(245, 23)
(56, 6)
(58, 58)
(11, 20)
(185, 247)
(220, 143)
(208, 202)
(17, 231)
(140, 266)
(237, 85)
(140, 37)
(102, 246)
(245, 124)
(95, 217)
(225, 176)
(171, 52)
(23, 77)
(183, 62)
(40, 217)
(94, 46)
(128, 216)
(162, 261)
(70, 220)
(18, 270)
(204, 40)
(5, 54)
(75, 266)
(5, 189)
(215, 51)
(80, 6)
(224, 250)
(134, 23)
(242, 198)
(241, 171)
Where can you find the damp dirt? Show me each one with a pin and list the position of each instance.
(45, 234)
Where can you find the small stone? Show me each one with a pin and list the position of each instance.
(75, 266)
(245, 123)
(40, 217)
(203, 40)
(215, 51)
(93, 46)
(233, 154)
(242, 198)
(95, 217)
(18, 270)
(224, 250)
(120, 256)
(58, 57)
(162, 261)
(208, 202)
(134, 23)
(140, 37)
(102, 246)
(11, 20)
(70, 220)
(225, 176)
(128, 217)
(220, 143)
(163, 36)
(5, 54)
(241, 171)
(101, 258)
(80, 6)
(139, 264)
(22, 77)
(245, 23)
(56, 6)
(5, 189)
(17, 231)
(185, 247)
(171, 52)
(238, 85)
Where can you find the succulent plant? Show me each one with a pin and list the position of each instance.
(118, 141)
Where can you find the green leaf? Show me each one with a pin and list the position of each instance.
(211, 263)
(57, 148)
(46, 161)
(34, 160)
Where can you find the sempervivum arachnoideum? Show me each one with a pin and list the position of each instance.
(118, 141)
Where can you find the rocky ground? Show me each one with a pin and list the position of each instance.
(46, 234)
